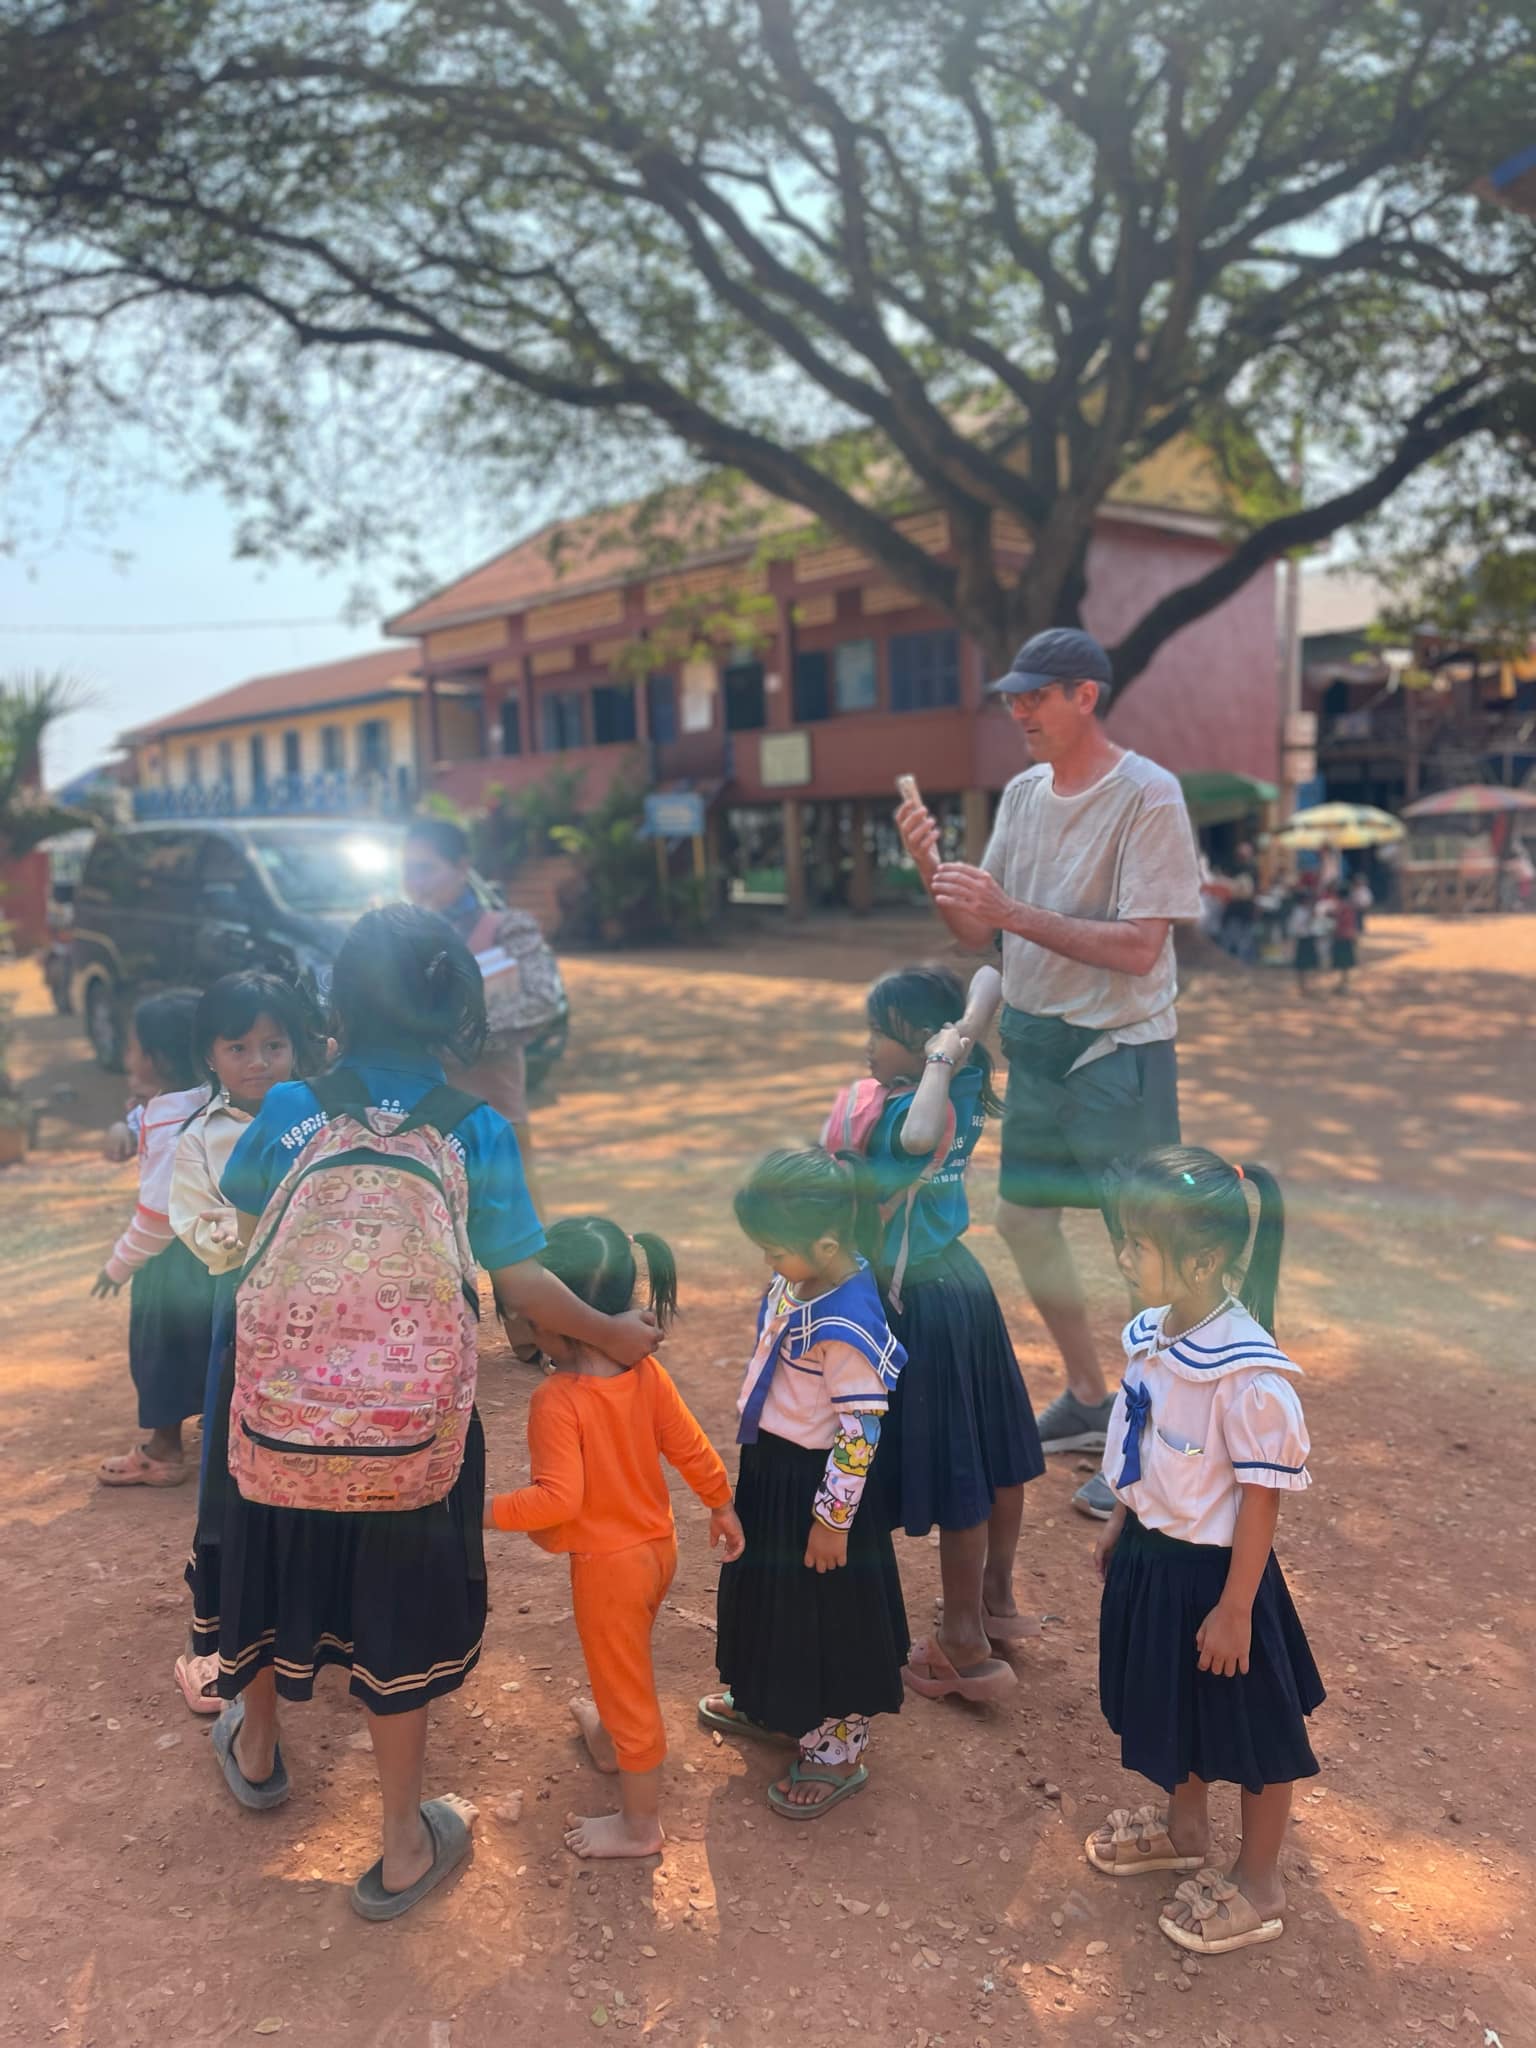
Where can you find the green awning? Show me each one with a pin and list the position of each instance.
(1218, 796)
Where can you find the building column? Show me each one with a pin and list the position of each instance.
(434, 739)
(976, 814)
(792, 813)
(861, 876)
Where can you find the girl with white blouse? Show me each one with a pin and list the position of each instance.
(1205, 1673)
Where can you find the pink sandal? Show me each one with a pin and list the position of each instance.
(137, 1468)
(929, 1672)
(194, 1675)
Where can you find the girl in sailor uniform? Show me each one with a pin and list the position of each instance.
(812, 1630)
(1204, 1669)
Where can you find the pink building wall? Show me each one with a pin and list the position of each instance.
(1210, 697)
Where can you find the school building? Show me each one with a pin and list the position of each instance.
(343, 736)
(795, 731)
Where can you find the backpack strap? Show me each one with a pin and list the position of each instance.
(441, 1109)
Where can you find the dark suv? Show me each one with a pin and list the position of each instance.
(180, 904)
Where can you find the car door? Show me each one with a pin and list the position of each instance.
(229, 902)
(165, 918)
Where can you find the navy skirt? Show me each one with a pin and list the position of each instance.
(1175, 1721)
(397, 1600)
(797, 1646)
(961, 1424)
(170, 1324)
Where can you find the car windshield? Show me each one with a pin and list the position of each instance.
(337, 873)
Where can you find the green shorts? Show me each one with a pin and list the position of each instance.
(1061, 1137)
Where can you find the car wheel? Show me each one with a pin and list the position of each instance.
(104, 1026)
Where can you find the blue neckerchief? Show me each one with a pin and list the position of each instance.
(851, 1314)
(1138, 1410)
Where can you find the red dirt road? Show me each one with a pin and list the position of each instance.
(950, 1904)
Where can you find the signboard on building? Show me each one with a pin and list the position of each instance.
(784, 760)
(674, 815)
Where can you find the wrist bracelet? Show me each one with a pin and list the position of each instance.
(938, 1059)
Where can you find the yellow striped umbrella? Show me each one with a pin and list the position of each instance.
(1346, 826)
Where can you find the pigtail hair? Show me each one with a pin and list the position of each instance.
(981, 1059)
(661, 1273)
(1262, 1277)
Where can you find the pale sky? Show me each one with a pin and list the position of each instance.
(182, 571)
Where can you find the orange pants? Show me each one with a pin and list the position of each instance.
(616, 1596)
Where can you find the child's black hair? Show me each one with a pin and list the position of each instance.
(596, 1260)
(794, 1198)
(232, 1005)
(446, 839)
(405, 978)
(915, 1002)
(1185, 1200)
(163, 1026)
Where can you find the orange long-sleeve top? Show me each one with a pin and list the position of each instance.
(596, 1446)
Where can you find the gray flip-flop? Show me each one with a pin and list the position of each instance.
(815, 1774)
(259, 1798)
(451, 1840)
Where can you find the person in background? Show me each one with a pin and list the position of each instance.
(1362, 898)
(524, 989)
(1090, 866)
(1306, 924)
(1344, 925)
(171, 1318)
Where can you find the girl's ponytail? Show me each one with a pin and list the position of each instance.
(661, 1270)
(1262, 1277)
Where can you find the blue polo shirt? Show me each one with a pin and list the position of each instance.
(941, 1212)
(503, 1226)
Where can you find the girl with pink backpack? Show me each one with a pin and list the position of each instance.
(352, 1533)
(960, 1440)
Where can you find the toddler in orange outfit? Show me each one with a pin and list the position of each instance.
(597, 1433)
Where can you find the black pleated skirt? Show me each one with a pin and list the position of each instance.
(1175, 1721)
(798, 1646)
(398, 1600)
(961, 1424)
(170, 1323)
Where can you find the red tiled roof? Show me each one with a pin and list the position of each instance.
(572, 556)
(387, 671)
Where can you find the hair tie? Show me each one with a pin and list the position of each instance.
(1237, 1169)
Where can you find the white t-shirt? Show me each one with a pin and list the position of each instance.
(1224, 1415)
(1123, 848)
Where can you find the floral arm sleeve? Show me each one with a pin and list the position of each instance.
(848, 1463)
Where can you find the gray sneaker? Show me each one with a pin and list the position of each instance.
(1070, 1425)
(1094, 1498)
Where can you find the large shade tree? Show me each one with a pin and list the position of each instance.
(984, 255)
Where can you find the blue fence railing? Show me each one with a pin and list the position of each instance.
(386, 794)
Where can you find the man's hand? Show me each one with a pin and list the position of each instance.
(632, 1336)
(725, 1527)
(1223, 1640)
(104, 1285)
(827, 1550)
(970, 893)
(919, 831)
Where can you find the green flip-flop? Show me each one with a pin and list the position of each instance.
(816, 1774)
(736, 1724)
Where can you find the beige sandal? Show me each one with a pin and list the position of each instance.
(1138, 1841)
(1226, 1920)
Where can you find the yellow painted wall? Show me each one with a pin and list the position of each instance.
(169, 764)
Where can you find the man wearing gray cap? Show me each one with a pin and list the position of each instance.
(1090, 865)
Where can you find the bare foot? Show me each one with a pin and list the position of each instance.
(599, 1742)
(614, 1834)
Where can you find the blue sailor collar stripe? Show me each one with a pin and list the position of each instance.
(1231, 1342)
(851, 1314)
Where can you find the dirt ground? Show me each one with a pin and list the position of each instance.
(950, 1904)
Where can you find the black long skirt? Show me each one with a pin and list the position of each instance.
(796, 1646)
(960, 1425)
(170, 1326)
(398, 1600)
(1175, 1721)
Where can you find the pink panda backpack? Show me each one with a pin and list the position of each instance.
(356, 1318)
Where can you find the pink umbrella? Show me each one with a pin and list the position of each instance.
(1478, 800)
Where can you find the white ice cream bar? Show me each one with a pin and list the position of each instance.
(498, 970)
